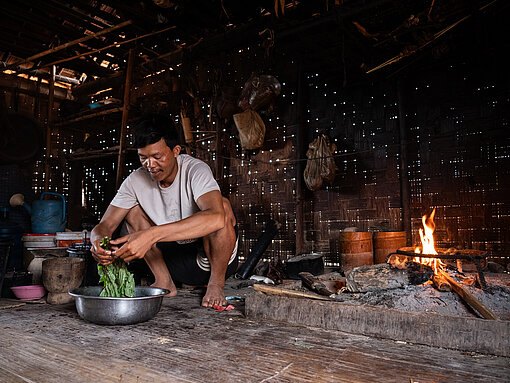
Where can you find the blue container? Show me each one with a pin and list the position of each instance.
(48, 216)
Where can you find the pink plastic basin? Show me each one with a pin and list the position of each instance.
(31, 292)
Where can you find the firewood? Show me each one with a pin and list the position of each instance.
(384, 277)
(314, 284)
(286, 292)
(441, 283)
(469, 298)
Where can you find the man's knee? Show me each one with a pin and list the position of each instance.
(136, 219)
(229, 213)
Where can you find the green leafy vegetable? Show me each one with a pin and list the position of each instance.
(117, 281)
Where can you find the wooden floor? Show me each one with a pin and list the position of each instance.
(186, 343)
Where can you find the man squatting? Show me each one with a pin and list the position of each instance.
(175, 215)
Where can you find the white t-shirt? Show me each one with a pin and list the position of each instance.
(178, 201)
(173, 203)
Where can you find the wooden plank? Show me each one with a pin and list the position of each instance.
(188, 343)
(460, 333)
(22, 359)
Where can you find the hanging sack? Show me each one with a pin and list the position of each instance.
(258, 92)
(320, 166)
(251, 129)
(264, 89)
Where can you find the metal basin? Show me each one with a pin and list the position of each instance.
(118, 311)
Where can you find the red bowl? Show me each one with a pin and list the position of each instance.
(26, 293)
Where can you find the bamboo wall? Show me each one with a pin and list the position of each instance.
(458, 149)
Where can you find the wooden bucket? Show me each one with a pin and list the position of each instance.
(355, 249)
(386, 242)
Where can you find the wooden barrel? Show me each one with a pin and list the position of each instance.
(386, 242)
(355, 249)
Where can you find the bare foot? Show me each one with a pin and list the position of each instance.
(214, 296)
(168, 286)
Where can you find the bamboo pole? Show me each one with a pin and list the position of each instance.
(108, 46)
(74, 42)
(125, 111)
(51, 94)
(469, 298)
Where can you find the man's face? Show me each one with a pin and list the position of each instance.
(160, 161)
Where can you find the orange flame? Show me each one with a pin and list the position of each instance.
(427, 243)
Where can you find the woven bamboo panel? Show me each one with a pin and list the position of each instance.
(458, 156)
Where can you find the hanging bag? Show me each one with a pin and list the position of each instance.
(251, 129)
(320, 166)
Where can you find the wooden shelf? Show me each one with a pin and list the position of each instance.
(99, 153)
(87, 115)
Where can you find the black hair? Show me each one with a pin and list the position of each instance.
(153, 127)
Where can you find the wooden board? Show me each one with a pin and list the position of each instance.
(460, 333)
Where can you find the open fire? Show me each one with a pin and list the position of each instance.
(427, 244)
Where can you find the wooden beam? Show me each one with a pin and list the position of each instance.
(125, 111)
(301, 97)
(49, 120)
(108, 46)
(89, 115)
(74, 42)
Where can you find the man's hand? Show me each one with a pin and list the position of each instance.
(135, 245)
(102, 256)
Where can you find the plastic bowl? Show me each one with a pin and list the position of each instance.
(26, 293)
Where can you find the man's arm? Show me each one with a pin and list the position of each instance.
(209, 219)
(110, 221)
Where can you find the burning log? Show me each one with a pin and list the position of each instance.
(441, 283)
(469, 298)
(384, 277)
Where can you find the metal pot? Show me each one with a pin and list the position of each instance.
(118, 311)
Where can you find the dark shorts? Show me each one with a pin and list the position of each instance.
(181, 260)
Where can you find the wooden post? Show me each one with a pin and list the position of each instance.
(125, 111)
(37, 98)
(404, 181)
(299, 161)
(51, 94)
(219, 153)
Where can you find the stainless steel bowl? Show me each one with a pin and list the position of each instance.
(118, 311)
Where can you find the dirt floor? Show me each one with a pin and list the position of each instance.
(187, 343)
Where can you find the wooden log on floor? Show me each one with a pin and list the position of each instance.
(469, 298)
(272, 290)
(384, 277)
(314, 284)
(440, 283)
